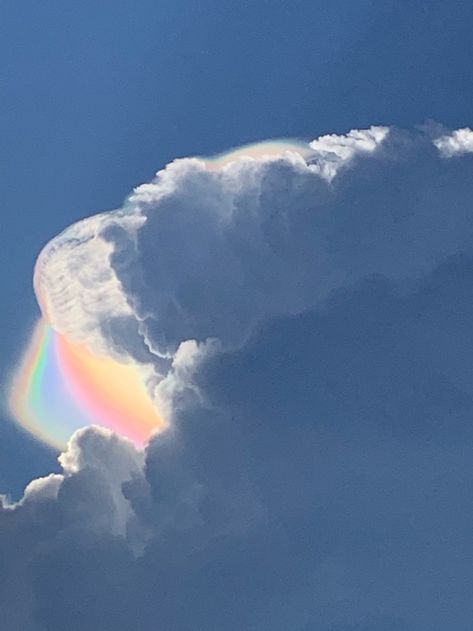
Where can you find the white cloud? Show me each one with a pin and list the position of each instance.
(80, 275)
(333, 151)
(198, 253)
(93, 455)
(76, 287)
(42, 489)
(455, 143)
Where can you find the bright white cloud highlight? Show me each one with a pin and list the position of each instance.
(456, 143)
(333, 151)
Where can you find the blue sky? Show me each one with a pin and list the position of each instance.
(97, 96)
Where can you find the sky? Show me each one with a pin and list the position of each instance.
(308, 327)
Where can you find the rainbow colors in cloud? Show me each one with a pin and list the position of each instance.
(259, 151)
(61, 386)
(68, 379)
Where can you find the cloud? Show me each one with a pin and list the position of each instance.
(333, 151)
(313, 339)
(200, 253)
(76, 288)
(82, 508)
(95, 465)
(455, 143)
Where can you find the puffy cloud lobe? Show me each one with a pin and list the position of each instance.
(201, 253)
(88, 493)
(62, 523)
(221, 252)
(318, 470)
(88, 278)
(332, 152)
(456, 143)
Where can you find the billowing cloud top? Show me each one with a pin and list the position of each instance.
(89, 278)
(297, 316)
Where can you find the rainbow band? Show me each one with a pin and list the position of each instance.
(259, 151)
(62, 386)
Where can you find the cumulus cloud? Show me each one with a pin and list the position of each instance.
(310, 321)
(332, 152)
(200, 253)
(89, 492)
(455, 143)
(68, 519)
